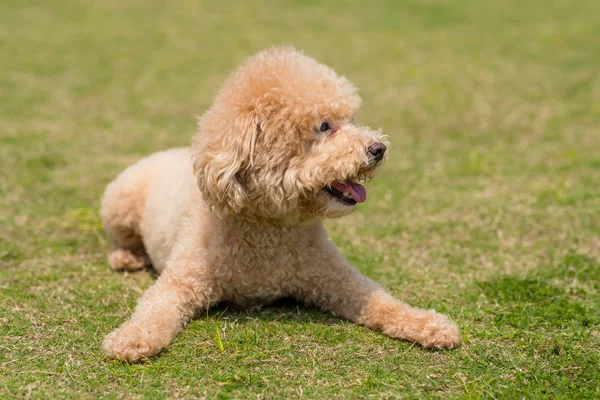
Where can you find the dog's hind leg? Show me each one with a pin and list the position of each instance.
(121, 211)
(128, 259)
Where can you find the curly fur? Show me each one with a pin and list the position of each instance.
(252, 233)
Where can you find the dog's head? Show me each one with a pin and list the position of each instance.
(280, 142)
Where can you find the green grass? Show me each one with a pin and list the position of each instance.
(488, 210)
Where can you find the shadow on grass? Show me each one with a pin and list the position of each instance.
(282, 310)
(549, 296)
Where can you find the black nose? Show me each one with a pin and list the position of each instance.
(376, 150)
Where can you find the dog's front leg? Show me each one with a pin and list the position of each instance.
(160, 314)
(341, 289)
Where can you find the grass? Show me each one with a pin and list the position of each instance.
(488, 210)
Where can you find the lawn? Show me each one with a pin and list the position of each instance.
(488, 209)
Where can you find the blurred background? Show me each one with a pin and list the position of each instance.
(488, 208)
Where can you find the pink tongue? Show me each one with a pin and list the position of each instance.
(358, 191)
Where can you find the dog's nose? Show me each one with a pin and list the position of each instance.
(377, 150)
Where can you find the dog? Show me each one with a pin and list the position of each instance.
(237, 217)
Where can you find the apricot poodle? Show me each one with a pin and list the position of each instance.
(237, 217)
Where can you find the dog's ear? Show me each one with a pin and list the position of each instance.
(222, 152)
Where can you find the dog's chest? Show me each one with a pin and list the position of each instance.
(254, 271)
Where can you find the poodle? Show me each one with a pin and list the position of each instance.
(237, 217)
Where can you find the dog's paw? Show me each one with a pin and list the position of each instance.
(126, 260)
(439, 332)
(130, 343)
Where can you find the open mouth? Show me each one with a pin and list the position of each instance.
(348, 193)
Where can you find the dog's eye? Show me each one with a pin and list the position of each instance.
(324, 127)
